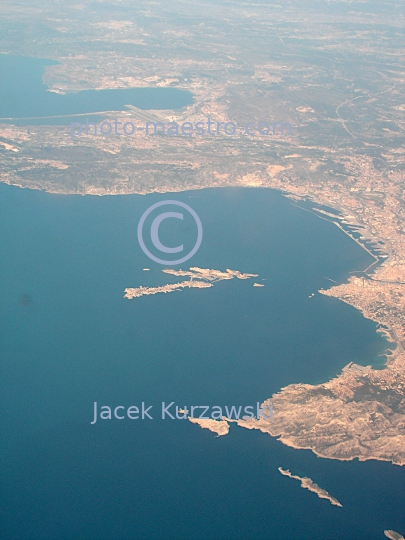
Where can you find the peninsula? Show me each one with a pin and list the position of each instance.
(220, 427)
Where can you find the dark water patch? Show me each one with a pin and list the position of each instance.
(26, 300)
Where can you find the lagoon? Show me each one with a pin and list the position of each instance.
(25, 99)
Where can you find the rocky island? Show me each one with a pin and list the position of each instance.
(309, 484)
(200, 278)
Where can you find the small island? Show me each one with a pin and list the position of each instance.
(144, 291)
(307, 483)
(393, 535)
(200, 278)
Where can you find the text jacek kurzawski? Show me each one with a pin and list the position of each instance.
(172, 411)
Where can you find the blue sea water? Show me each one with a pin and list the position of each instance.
(25, 95)
(69, 338)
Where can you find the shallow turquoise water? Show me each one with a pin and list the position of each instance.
(69, 338)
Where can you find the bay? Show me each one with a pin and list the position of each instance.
(69, 338)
